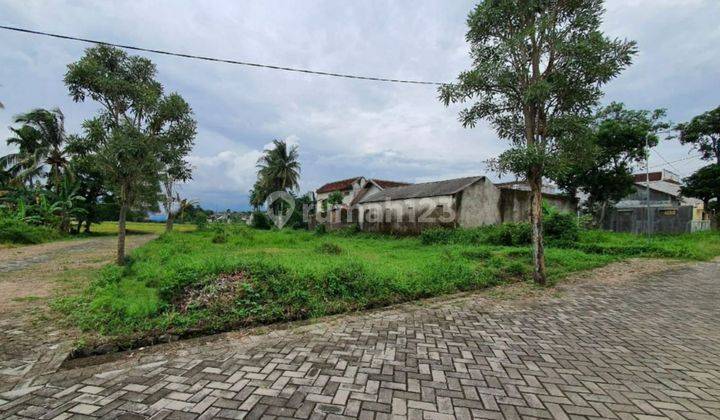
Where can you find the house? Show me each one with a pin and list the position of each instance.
(348, 188)
(351, 189)
(466, 202)
(515, 199)
(461, 202)
(656, 199)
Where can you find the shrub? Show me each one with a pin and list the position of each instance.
(18, 232)
(320, 229)
(219, 238)
(509, 234)
(561, 227)
(260, 220)
(329, 248)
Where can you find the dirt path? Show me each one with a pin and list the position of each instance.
(29, 276)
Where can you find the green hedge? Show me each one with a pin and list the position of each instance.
(17, 232)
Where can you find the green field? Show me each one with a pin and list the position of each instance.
(111, 228)
(17, 233)
(234, 276)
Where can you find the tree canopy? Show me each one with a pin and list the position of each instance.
(600, 160)
(703, 184)
(538, 66)
(139, 133)
(703, 133)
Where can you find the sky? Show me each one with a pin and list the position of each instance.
(343, 127)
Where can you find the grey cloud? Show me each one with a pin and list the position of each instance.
(344, 127)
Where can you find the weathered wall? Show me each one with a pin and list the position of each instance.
(515, 205)
(634, 220)
(409, 216)
(479, 205)
(640, 194)
(348, 195)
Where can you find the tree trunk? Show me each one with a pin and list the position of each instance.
(169, 222)
(603, 212)
(538, 248)
(87, 226)
(121, 234)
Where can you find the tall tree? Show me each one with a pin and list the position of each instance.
(599, 161)
(178, 139)
(41, 142)
(279, 168)
(704, 185)
(703, 133)
(537, 66)
(130, 134)
(257, 195)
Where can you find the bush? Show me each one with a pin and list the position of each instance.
(509, 234)
(329, 248)
(320, 229)
(18, 232)
(260, 220)
(561, 227)
(219, 238)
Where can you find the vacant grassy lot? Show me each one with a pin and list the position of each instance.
(111, 228)
(233, 276)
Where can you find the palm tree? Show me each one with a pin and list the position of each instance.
(41, 141)
(278, 167)
(278, 170)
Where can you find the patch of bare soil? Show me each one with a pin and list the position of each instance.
(30, 341)
(623, 271)
(221, 291)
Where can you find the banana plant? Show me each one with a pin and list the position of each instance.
(67, 204)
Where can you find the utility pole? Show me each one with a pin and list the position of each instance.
(647, 184)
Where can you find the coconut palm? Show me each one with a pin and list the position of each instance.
(41, 142)
(279, 168)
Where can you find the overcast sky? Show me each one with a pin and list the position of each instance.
(343, 127)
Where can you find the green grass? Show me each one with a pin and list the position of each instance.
(194, 282)
(111, 228)
(15, 233)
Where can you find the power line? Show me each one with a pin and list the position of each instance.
(219, 60)
(675, 161)
(666, 161)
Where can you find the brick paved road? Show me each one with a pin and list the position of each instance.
(645, 349)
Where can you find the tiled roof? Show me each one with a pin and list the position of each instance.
(388, 184)
(338, 185)
(427, 189)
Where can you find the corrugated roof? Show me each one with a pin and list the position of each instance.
(427, 189)
(669, 188)
(524, 186)
(337, 185)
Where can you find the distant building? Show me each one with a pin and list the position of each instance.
(656, 199)
(386, 206)
(516, 197)
(351, 189)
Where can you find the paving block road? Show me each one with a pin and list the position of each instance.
(645, 348)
